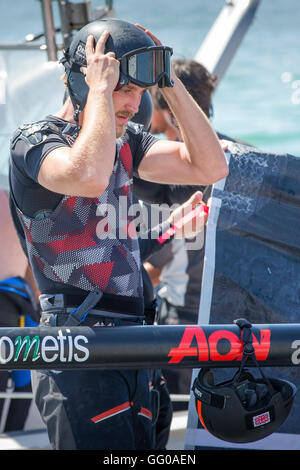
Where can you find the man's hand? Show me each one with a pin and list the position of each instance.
(103, 70)
(157, 42)
(190, 217)
(154, 38)
(224, 145)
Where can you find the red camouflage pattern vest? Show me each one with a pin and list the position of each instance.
(90, 243)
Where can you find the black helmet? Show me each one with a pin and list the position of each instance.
(145, 112)
(243, 409)
(141, 61)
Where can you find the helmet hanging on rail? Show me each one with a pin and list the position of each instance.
(244, 408)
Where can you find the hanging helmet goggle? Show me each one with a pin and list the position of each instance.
(243, 409)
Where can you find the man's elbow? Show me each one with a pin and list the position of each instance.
(222, 172)
(93, 187)
(87, 183)
(212, 175)
(220, 167)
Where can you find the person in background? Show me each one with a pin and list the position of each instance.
(176, 270)
(200, 84)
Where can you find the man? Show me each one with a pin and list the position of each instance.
(70, 180)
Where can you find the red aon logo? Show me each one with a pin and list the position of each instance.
(206, 348)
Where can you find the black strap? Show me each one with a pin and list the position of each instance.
(77, 316)
(109, 302)
(207, 397)
(71, 65)
(248, 350)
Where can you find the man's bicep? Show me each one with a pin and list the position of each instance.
(34, 159)
(165, 162)
(52, 168)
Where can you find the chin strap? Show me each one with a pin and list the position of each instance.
(70, 65)
(76, 118)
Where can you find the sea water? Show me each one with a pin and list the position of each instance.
(258, 99)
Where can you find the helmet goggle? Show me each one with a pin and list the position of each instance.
(147, 66)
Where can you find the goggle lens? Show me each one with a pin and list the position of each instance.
(147, 67)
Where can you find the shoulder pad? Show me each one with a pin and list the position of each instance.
(134, 128)
(34, 134)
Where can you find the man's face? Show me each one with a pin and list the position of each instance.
(126, 104)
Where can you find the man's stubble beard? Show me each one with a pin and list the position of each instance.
(121, 132)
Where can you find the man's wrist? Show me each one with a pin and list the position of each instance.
(101, 91)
